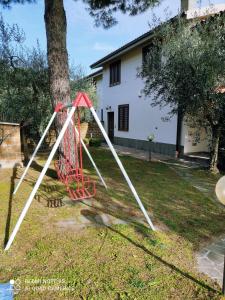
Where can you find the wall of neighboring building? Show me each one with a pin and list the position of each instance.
(207, 10)
(143, 118)
(10, 148)
(194, 139)
(99, 85)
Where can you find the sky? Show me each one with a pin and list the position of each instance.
(86, 43)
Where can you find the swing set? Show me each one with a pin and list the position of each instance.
(69, 167)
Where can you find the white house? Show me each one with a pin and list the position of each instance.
(127, 115)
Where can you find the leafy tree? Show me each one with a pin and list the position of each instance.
(24, 91)
(24, 88)
(185, 69)
(103, 10)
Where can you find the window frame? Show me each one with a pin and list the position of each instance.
(123, 121)
(115, 73)
(145, 50)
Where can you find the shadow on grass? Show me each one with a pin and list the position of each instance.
(126, 212)
(97, 219)
(167, 264)
(174, 201)
(9, 213)
(31, 179)
(50, 172)
(51, 194)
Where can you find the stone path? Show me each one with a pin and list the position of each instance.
(88, 217)
(211, 260)
(79, 222)
(185, 169)
(140, 154)
(91, 214)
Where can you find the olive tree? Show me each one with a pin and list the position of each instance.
(24, 91)
(185, 69)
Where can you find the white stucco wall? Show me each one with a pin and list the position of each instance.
(100, 104)
(194, 139)
(143, 118)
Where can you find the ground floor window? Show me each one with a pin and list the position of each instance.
(123, 117)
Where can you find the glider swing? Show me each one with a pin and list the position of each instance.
(70, 167)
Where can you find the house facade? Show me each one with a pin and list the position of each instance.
(128, 116)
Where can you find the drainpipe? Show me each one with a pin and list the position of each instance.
(223, 286)
(179, 131)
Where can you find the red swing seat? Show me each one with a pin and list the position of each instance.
(80, 187)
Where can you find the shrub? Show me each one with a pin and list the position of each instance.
(94, 142)
(86, 141)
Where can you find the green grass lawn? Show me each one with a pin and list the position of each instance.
(110, 262)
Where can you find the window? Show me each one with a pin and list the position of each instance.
(115, 73)
(150, 48)
(145, 52)
(123, 117)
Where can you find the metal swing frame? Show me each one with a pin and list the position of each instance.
(81, 100)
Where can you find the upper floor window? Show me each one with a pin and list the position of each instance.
(145, 51)
(148, 50)
(115, 73)
(123, 117)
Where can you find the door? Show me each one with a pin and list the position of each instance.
(111, 126)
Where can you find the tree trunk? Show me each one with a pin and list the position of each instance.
(214, 150)
(55, 23)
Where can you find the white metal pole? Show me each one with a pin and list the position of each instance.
(92, 161)
(122, 169)
(38, 182)
(35, 152)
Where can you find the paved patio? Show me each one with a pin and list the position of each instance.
(211, 260)
(91, 212)
(140, 154)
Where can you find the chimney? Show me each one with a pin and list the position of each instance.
(188, 5)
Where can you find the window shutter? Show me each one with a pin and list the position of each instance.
(123, 117)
